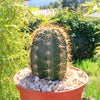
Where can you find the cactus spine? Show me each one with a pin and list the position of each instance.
(50, 52)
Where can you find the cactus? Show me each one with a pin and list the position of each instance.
(50, 52)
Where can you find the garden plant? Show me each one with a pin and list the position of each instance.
(17, 24)
(49, 62)
(51, 49)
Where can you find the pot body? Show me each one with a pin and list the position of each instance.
(74, 94)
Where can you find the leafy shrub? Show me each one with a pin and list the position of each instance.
(51, 5)
(13, 55)
(72, 3)
(91, 10)
(97, 49)
(82, 31)
(34, 25)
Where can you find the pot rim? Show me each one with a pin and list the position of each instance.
(54, 92)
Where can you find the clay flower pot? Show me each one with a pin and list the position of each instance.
(74, 94)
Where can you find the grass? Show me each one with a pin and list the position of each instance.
(92, 68)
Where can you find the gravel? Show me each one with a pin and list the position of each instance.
(73, 80)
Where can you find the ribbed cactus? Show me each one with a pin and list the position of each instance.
(49, 52)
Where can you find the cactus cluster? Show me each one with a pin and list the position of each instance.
(50, 52)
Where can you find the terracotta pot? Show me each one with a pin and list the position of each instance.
(74, 94)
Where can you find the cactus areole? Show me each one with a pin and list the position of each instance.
(49, 54)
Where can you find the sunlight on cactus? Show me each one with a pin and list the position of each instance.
(50, 52)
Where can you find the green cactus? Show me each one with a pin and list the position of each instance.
(49, 52)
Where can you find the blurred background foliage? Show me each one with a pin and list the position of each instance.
(51, 5)
(82, 32)
(17, 24)
(72, 3)
(13, 56)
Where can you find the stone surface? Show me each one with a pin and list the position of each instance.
(44, 89)
(72, 80)
(49, 89)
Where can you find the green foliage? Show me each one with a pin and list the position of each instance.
(72, 3)
(92, 91)
(15, 36)
(92, 68)
(40, 20)
(51, 5)
(91, 5)
(97, 49)
(82, 32)
(13, 56)
(49, 52)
